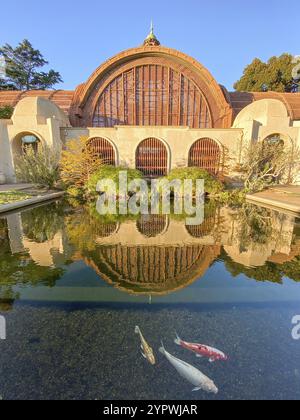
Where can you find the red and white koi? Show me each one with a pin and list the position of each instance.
(202, 350)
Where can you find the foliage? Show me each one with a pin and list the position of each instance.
(211, 184)
(39, 167)
(6, 112)
(75, 193)
(41, 226)
(231, 198)
(22, 64)
(266, 164)
(111, 173)
(256, 226)
(78, 163)
(275, 75)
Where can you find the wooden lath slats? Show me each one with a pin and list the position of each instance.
(152, 158)
(206, 154)
(152, 95)
(103, 149)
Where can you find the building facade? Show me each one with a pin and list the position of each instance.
(151, 108)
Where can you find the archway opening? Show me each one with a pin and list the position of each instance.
(102, 149)
(152, 225)
(25, 143)
(206, 154)
(152, 158)
(275, 140)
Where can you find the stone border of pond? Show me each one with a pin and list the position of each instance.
(5, 208)
(283, 198)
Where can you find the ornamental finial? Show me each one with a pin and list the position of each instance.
(151, 40)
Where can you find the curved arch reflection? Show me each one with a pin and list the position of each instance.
(152, 225)
(155, 270)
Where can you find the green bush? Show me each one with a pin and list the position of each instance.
(6, 112)
(211, 184)
(112, 173)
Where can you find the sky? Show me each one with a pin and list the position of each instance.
(223, 35)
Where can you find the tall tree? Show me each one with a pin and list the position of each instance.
(22, 65)
(277, 75)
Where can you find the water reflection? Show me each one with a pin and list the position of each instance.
(151, 255)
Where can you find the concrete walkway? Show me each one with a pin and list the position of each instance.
(15, 187)
(281, 197)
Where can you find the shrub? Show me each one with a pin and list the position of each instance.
(211, 184)
(112, 173)
(78, 163)
(41, 167)
(6, 112)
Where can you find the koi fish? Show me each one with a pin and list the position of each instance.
(202, 351)
(191, 374)
(147, 351)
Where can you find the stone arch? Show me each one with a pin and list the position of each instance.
(87, 95)
(16, 143)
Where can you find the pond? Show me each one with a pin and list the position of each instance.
(74, 285)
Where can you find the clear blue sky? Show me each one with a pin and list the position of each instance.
(224, 35)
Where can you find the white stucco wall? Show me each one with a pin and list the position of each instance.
(44, 119)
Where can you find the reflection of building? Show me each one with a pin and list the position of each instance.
(156, 254)
(276, 247)
(153, 108)
(154, 270)
(45, 254)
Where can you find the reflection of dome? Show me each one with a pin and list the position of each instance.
(155, 270)
(152, 225)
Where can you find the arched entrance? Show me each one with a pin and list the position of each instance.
(152, 158)
(206, 154)
(103, 149)
(24, 143)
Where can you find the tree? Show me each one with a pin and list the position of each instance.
(22, 64)
(276, 75)
(269, 162)
(6, 112)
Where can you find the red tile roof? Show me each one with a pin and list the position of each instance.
(62, 98)
(237, 100)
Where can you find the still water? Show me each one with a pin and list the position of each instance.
(73, 287)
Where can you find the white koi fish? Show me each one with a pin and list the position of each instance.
(147, 351)
(191, 374)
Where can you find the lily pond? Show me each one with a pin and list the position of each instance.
(74, 286)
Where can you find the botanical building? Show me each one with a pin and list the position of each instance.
(153, 108)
